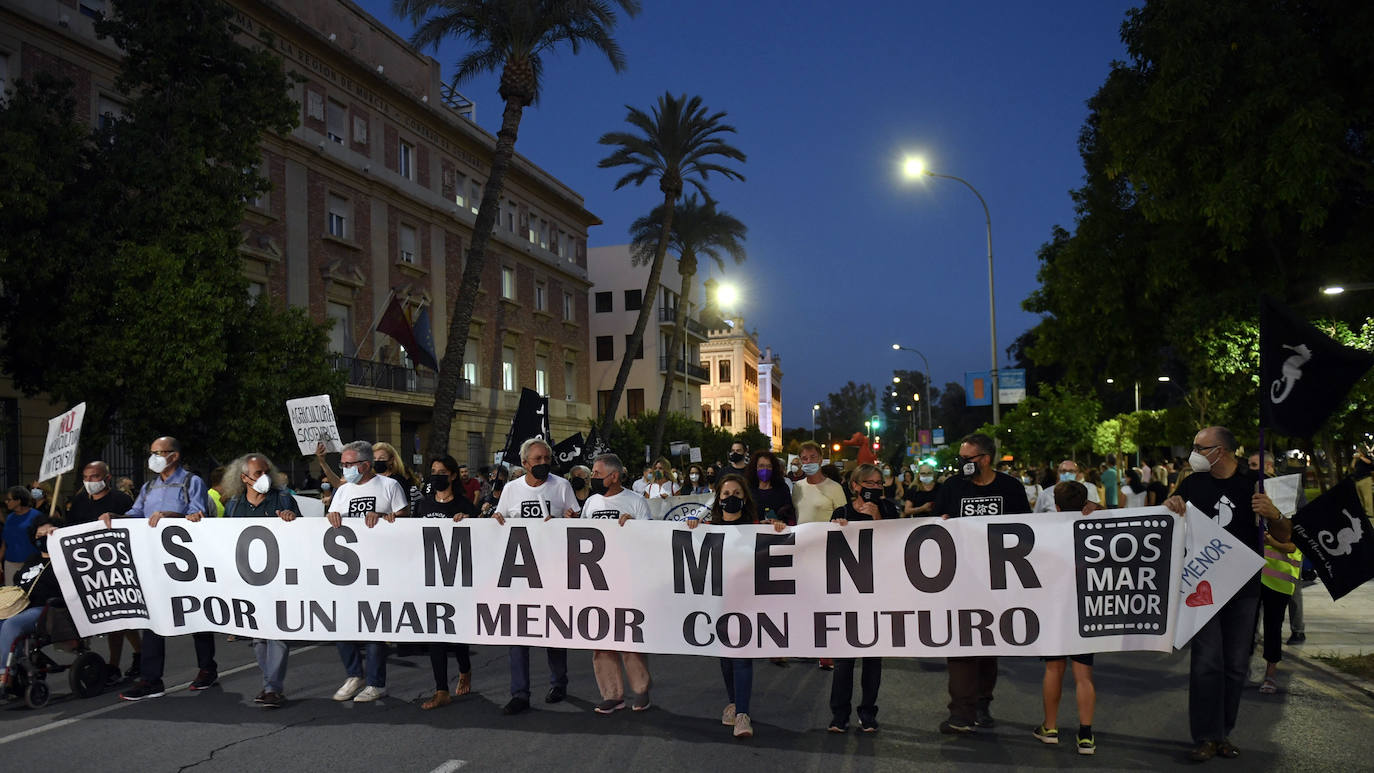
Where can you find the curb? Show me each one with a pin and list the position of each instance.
(1362, 685)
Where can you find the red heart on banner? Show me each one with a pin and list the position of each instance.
(1202, 597)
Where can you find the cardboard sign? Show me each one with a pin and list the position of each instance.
(312, 422)
(59, 450)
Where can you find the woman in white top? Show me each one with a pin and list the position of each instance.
(1133, 493)
(661, 487)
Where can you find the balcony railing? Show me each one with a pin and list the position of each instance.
(381, 375)
(668, 316)
(698, 372)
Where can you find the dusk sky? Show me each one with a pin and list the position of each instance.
(845, 257)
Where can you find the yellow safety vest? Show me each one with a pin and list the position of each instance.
(1281, 571)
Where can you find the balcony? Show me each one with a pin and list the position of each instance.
(697, 373)
(667, 317)
(381, 375)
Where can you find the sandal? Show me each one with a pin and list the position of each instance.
(1269, 687)
(440, 699)
(464, 685)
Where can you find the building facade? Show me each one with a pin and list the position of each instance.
(770, 396)
(744, 388)
(374, 196)
(616, 299)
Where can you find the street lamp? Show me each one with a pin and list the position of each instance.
(814, 408)
(900, 348)
(1349, 288)
(915, 168)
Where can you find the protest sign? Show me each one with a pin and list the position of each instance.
(1215, 566)
(59, 450)
(312, 423)
(1007, 585)
(1334, 533)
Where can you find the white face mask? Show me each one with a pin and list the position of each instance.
(1198, 462)
(694, 477)
(927, 479)
(351, 474)
(157, 463)
(36, 493)
(263, 484)
(94, 487)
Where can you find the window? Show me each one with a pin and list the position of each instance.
(256, 290)
(508, 369)
(336, 121)
(508, 212)
(508, 283)
(751, 374)
(474, 196)
(543, 233)
(605, 348)
(470, 361)
(460, 190)
(634, 402)
(93, 8)
(569, 307)
(341, 333)
(531, 228)
(724, 378)
(259, 200)
(706, 415)
(570, 381)
(541, 375)
(603, 302)
(603, 400)
(541, 296)
(406, 237)
(639, 353)
(727, 415)
(338, 216)
(107, 112)
(405, 160)
(634, 299)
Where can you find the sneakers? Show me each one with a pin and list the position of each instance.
(369, 694)
(1227, 749)
(826, 664)
(556, 694)
(143, 690)
(1203, 751)
(727, 717)
(1297, 638)
(641, 703)
(350, 688)
(954, 726)
(1087, 745)
(272, 700)
(258, 698)
(838, 726)
(204, 680)
(516, 705)
(609, 706)
(1046, 734)
(983, 717)
(135, 667)
(743, 727)
(868, 726)
(113, 676)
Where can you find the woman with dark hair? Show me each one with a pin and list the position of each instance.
(446, 500)
(1133, 493)
(696, 481)
(17, 547)
(770, 491)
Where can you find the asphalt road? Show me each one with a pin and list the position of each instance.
(1311, 724)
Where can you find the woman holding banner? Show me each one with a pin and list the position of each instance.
(387, 462)
(446, 500)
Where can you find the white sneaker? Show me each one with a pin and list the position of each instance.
(350, 687)
(727, 717)
(743, 727)
(369, 694)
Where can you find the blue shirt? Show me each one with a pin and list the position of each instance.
(181, 492)
(18, 548)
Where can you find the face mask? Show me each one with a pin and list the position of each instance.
(694, 477)
(598, 485)
(325, 486)
(157, 463)
(1066, 477)
(969, 467)
(263, 484)
(577, 483)
(438, 482)
(351, 474)
(870, 494)
(811, 468)
(540, 471)
(927, 479)
(736, 457)
(1026, 479)
(36, 493)
(42, 544)
(732, 504)
(94, 487)
(1198, 462)
(764, 474)
(380, 466)
(887, 472)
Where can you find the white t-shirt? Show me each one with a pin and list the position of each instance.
(657, 490)
(640, 486)
(1045, 502)
(379, 494)
(816, 502)
(1132, 499)
(626, 501)
(553, 497)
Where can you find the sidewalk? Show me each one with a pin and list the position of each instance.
(1344, 627)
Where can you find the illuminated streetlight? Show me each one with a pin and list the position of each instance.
(814, 408)
(727, 296)
(899, 348)
(1346, 288)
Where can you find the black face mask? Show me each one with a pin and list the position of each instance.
(540, 471)
(577, 483)
(380, 467)
(870, 494)
(736, 457)
(42, 544)
(732, 504)
(598, 485)
(439, 482)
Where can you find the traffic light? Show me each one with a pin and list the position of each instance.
(876, 422)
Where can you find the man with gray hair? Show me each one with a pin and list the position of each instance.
(536, 494)
(610, 499)
(371, 497)
(1068, 472)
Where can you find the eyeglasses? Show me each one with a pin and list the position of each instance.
(871, 482)
(967, 459)
(354, 464)
(1204, 449)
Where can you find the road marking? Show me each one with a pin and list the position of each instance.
(124, 704)
(450, 766)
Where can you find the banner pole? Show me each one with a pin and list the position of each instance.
(56, 492)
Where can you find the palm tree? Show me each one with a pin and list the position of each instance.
(679, 143)
(698, 229)
(512, 36)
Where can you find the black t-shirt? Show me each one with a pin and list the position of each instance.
(775, 502)
(82, 509)
(885, 508)
(1361, 469)
(1160, 491)
(917, 497)
(1227, 501)
(429, 507)
(37, 577)
(960, 496)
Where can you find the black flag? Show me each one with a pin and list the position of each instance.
(1304, 375)
(594, 447)
(1334, 533)
(568, 454)
(531, 421)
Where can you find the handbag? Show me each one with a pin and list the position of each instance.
(14, 599)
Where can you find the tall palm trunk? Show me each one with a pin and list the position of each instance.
(687, 269)
(451, 366)
(646, 309)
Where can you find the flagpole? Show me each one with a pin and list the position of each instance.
(375, 322)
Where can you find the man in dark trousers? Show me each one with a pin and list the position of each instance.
(978, 489)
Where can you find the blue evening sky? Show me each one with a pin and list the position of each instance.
(845, 257)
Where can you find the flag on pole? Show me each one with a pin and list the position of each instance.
(424, 340)
(531, 421)
(1304, 375)
(1333, 532)
(593, 447)
(568, 453)
(395, 324)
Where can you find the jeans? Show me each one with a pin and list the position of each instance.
(438, 662)
(351, 653)
(842, 689)
(10, 630)
(154, 657)
(739, 681)
(520, 670)
(971, 681)
(1219, 661)
(271, 656)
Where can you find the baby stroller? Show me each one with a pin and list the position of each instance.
(30, 662)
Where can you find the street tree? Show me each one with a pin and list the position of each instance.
(844, 412)
(512, 37)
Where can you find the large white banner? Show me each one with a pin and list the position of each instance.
(59, 450)
(1049, 584)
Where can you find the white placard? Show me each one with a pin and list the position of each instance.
(59, 450)
(694, 455)
(1214, 566)
(312, 422)
(1284, 491)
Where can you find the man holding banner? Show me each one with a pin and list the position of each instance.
(1226, 492)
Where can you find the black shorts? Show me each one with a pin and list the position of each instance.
(1086, 660)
